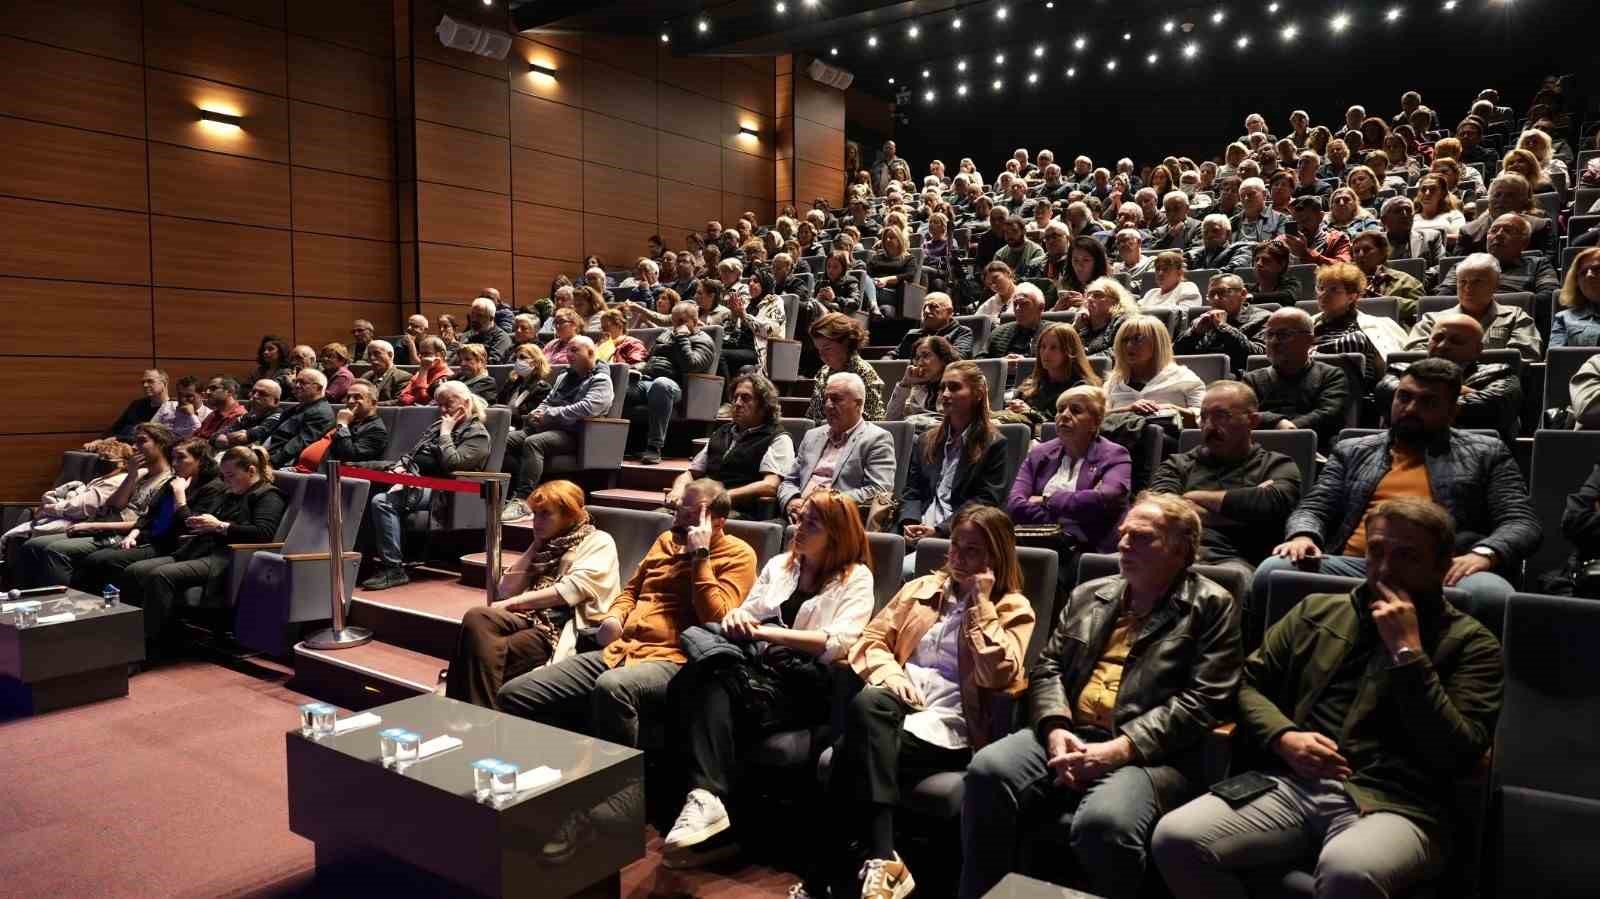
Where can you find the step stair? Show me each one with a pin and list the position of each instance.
(637, 476)
(627, 498)
(475, 568)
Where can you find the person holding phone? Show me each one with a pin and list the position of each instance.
(1117, 720)
(1366, 707)
(932, 662)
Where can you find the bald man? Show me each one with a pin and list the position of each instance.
(1491, 394)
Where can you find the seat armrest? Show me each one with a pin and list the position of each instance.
(1216, 752)
(318, 557)
(18, 504)
(783, 359)
(481, 475)
(703, 397)
(254, 546)
(601, 442)
(911, 298)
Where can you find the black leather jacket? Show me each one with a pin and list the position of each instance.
(1179, 680)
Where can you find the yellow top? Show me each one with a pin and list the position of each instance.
(1099, 696)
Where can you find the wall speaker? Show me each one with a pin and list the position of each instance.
(832, 76)
(473, 39)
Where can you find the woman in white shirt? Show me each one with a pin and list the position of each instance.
(1171, 289)
(998, 277)
(565, 581)
(808, 607)
(1437, 206)
(1145, 380)
(916, 397)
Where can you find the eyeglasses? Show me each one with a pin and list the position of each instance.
(1220, 416)
(1286, 335)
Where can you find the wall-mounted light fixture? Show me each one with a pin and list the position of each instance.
(221, 118)
(746, 129)
(539, 69)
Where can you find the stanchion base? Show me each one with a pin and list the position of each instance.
(340, 639)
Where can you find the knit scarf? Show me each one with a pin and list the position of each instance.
(543, 562)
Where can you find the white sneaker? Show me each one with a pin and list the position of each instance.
(799, 891)
(702, 818)
(886, 878)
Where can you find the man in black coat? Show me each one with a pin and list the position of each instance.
(359, 435)
(306, 424)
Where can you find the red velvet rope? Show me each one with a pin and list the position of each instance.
(411, 480)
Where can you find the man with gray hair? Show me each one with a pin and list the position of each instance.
(1407, 242)
(1217, 249)
(847, 454)
(1179, 231)
(260, 417)
(306, 424)
(1476, 280)
(1017, 338)
(681, 350)
(1229, 325)
(1507, 238)
(386, 378)
(1297, 391)
(405, 348)
(583, 391)
(481, 328)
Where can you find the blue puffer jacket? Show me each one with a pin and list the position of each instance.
(1472, 476)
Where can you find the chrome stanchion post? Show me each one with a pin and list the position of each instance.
(338, 635)
(492, 501)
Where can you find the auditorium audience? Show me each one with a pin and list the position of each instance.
(303, 425)
(1407, 239)
(1020, 252)
(153, 383)
(1061, 364)
(938, 320)
(680, 351)
(335, 363)
(1136, 671)
(960, 461)
(1002, 281)
(1506, 240)
(838, 340)
(1016, 339)
(693, 574)
(1172, 287)
(1491, 394)
(472, 369)
(457, 441)
(185, 414)
(584, 390)
(1421, 456)
(358, 434)
(1106, 305)
(1274, 284)
(1077, 480)
(568, 327)
(749, 455)
(1363, 710)
(387, 378)
(1296, 390)
(1144, 379)
(1217, 249)
(1509, 194)
(481, 329)
(431, 371)
(73, 501)
(561, 585)
(406, 344)
(1438, 209)
(260, 419)
(617, 345)
(917, 397)
(1370, 251)
(1341, 327)
(1577, 323)
(840, 291)
(224, 409)
(1230, 326)
(1243, 491)
(806, 610)
(1475, 280)
(845, 453)
(527, 385)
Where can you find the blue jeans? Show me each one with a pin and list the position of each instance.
(659, 396)
(1110, 824)
(1483, 585)
(387, 510)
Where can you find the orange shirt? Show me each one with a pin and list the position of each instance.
(1098, 698)
(670, 592)
(1408, 476)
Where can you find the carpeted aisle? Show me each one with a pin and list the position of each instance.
(178, 791)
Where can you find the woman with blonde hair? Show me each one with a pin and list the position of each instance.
(1523, 162)
(808, 606)
(617, 345)
(1437, 206)
(1078, 479)
(1578, 321)
(891, 266)
(1538, 143)
(1060, 366)
(588, 303)
(1347, 214)
(528, 384)
(1145, 380)
(1106, 305)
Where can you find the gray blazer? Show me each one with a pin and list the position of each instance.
(865, 470)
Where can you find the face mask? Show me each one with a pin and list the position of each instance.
(524, 367)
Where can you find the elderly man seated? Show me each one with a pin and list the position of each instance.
(458, 441)
(1407, 242)
(305, 424)
(472, 369)
(1114, 735)
(1297, 391)
(1217, 248)
(1244, 491)
(1421, 456)
(749, 455)
(846, 454)
(693, 575)
(260, 418)
(1255, 222)
(152, 398)
(1363, 710)
(481, 329)
(681, 350)
(1230, 325)
(1180, 231)
(583, 391)
(1491, 395)
(938, 320)
(1475, 281)
(1016, 339)
(405, 348)
(1507, 239)
(387, 379)
(358, 434)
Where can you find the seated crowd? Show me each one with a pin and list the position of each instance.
(1362, 709)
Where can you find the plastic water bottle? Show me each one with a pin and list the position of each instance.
(111, 594)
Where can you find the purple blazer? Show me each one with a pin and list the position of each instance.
(1090, 512)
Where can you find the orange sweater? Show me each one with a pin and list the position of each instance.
(671, 592)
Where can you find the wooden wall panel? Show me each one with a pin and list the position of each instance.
(748, 175)
(617, 241)
(566, 86)
(819, 103)
(181, 38)
(748, 89)
(461, 216)
(349, 205)
(320, 321)
(690, 114)
(190, 323)
(546, 178)
(211, 255)
(686, 207)
(105, 27)
(453, 97)
(735, 205)
(543, 125)
(337, 76)
(40, 317)
(700, 74)
(74, 243)
(69, 165)
(621, 95)
(548, 232)
(344, 267)
(261, 12)
(174, 107)
(448, 155)
(812, 181)
(28, 462)
(619, 193)
(819, 144)
(617, 143)
(532, 276)
(197, 184)
(455, 274)
(689, 160)
(342, 141)
(57, 400)
(763, 143)
(366, 25)
(67, 88)
(633, 53)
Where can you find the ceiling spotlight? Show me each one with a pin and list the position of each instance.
(1168, 25)
(1111, 65)
(926, 73)
(956, 23)
(961, 90)
(1080, 43)
(780, 7)
(913, 31)
(833, 51)
(703, 26)
(1449, 5)
(1339, 22)
(1050, 4)
(1190, 50)
(929, 96)
(872, 40)
(1072, 71)
(996, 84)
(1272, 8)
(999, 59)
(1291, 31)
(1152, 58)
(1038, 50)
(1217, 17)
(811, 2)
(1393, 15)
(1001, 13)
(891, 79)
(1127, 35)
(1033, 77)
(666, 38)
(1242, 42)
(961, 65)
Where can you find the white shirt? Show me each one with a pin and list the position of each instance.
(1065, 478)
(1175, 384)
(994, 307)
(935, 670)
(1185, 294)
(841, 608)
(778, 459)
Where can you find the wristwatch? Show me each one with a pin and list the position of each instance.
(1405, 655)
(1487, 553)
(703, 552)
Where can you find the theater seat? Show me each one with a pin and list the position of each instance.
(450, 511)
(406, 426)
(601, 438)
(293, 486)
(1298, 444)
(765, 537)
(633, 530)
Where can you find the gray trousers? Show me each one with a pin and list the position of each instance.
(1203, 847)
(525, 454)
(1008, 782)
(583, 692)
